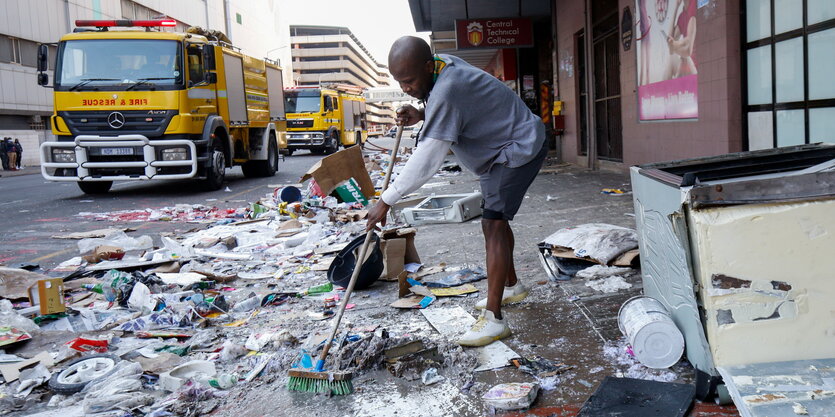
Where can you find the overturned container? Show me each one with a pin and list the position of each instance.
(449, 208)
(649, 329)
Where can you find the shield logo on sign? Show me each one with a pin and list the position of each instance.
(475, 33)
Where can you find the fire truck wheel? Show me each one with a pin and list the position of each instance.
(265, 168)
(216, 171)
(333, 144)
(96, 187)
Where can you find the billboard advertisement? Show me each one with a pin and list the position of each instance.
(668, 77)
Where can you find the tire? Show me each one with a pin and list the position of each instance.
(265, 168)
(95, 187)
(216, 171)
(332, 144)
(80, 372)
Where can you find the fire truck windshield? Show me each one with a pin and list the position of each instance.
(118, 64)
(302, 101)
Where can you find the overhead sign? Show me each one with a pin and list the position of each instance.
(373, 95)
(514, 32)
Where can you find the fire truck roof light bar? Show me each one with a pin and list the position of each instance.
(127, 23)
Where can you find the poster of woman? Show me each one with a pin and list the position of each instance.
(667, 65)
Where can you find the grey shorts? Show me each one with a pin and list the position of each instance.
(503, 188)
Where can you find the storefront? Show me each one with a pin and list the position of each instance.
(638, 81)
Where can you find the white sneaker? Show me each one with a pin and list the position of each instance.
(512, 294)
(485, 331)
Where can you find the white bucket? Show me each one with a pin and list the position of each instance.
(655, 339)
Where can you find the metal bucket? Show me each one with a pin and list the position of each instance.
(648, 327)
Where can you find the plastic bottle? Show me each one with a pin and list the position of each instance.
(96, 288)
(224, 381)
(250, 303)
(318, 289)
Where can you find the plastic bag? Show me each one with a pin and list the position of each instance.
(232, 351)
(118, 239)
(10, 318)
(124, 379)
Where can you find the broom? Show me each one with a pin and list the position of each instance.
(316, 379)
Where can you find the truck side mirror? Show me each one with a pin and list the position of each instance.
(43, 58)
(211, 77)
(43, 78)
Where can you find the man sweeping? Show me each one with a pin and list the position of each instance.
(493, 134)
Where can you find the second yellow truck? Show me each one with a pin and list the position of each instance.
(323, 118)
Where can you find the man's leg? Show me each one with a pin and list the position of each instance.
(498, 242)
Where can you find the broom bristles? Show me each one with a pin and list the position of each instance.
(320, 386)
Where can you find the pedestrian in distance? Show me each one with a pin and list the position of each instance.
(4, 154)
(493, 134)
(19, 150)
(12, 153)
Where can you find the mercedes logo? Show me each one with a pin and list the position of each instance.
(116, 120)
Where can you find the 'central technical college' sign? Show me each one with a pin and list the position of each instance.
(494, 33)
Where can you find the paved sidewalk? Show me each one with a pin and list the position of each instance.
(30, 170)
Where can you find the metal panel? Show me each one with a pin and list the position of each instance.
(235, 93)
(665, 268)
(781, 389)
(348, 114)
(275, 86)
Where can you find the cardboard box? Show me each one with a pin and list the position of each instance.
(349, 192)
(398, 247)
(331, 170)
(49, 293)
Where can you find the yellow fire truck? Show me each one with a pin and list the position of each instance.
(143, 105)
(321, 118)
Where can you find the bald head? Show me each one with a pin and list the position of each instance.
(411, 63)
(411, 50)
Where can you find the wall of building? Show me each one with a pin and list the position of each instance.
(263, 32)
(718, 128)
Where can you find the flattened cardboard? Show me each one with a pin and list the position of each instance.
(15, 282)
(12, 371)
(331, 170)
(454, 291)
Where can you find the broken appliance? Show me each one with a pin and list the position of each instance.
(738, 248)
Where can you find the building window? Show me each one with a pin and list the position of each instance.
(18, 51)
(790, 98)
(7, 50)
(238, 18)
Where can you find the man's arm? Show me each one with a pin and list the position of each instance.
(420, 167)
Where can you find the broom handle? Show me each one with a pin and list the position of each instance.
(360, 259)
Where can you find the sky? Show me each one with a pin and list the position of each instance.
(376, 23)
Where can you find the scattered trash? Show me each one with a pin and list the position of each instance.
(197, 370)
(613, 191)
(430, 376)
(609, 284)
(460, 277)
(513, 396)
(601, 243)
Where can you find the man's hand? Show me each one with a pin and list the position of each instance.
(408, 115)
(377, 214)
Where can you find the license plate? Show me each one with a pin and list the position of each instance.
(116, 151)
